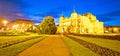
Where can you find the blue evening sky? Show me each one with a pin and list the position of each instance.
(107, 11)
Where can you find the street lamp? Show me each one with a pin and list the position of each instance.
(5, 22)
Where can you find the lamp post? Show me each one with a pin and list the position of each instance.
(5, 24)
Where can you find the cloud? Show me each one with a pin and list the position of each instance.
(112, 14)
(55, 12)
(10, 10)
(105, 19)
(36, 19)
(19, 3)
(110, 23)
(110, 18)
(51, 13)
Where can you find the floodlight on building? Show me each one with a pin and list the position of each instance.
(82, 31)
(30, 25)
(62, 30)
(15, 26)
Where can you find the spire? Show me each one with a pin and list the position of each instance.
(62, 14)
(74, 11)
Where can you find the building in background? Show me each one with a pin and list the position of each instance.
(20, 25)
(77, 23)
(112, 29)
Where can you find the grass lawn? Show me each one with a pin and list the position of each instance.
(17, 48)
(111, 44)
(11, 38)
(77, 49)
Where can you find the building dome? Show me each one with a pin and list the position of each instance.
(74, 13)
(62, 18)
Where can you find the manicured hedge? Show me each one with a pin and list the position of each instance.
(116, 37)
(12, 34)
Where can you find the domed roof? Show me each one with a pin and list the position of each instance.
(74, 13)
(62, 16)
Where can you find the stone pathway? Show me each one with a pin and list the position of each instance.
(51, 46)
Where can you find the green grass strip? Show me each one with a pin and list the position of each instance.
(107, 43)
(17, 48)
(77, 49)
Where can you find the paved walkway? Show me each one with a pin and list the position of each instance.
(51, 46)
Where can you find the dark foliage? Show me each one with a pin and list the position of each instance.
(47, 26)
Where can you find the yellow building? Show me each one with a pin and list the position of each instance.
(112, 29)
(77, 23)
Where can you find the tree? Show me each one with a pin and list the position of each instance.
(47, 26)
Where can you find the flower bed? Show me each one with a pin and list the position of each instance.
(102, 51)
(114, 37)
(17, 40)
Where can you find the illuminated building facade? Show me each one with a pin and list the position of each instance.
(20, 25)
(77, 23)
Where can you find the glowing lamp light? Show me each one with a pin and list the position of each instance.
(62, 30)
(5, 22)
(82, 31)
